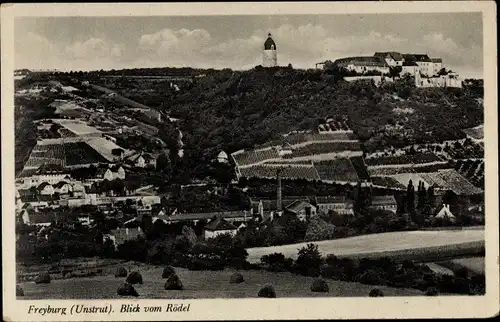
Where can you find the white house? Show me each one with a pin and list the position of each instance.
(387, 203)
(339, 204)
(409, 67)
(223, 157)
(392, 58)
(218, 227)
(445, 213)
(437, 65)
(62, 187)
(364, 64)
(45, 189)
(142, 160)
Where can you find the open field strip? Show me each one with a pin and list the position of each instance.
(199, 284)
(410, 244)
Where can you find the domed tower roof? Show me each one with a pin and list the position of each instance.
(269, 44)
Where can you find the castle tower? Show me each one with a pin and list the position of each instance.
(269, 55)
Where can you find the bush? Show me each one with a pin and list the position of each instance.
(127, 290)
(236, 278)
(167, 272)
(376, 293)
(318, 229)
(173, 283)
(319, 285)
(432, 291)
(121, 272)
(276, 262)
(134, 278)
(267, 291)
(308, 261)
(42, 278)
(19, 291)
(371, 277)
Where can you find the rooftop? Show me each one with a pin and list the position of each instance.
(383, 200)
(220, 224)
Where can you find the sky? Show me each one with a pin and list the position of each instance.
(93, 43)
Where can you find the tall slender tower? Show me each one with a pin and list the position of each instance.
(279, 205)
(269, 55)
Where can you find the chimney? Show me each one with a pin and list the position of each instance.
(278, 196)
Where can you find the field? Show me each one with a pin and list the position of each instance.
(448, 179)
(337, 170)
(307, 172)
(404, 159)
(199, 284)
(64, 154)
(323, 148)
(405, 243)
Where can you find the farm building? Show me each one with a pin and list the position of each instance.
(302, 209)
(387, 203)
(142, 160)
(339, 204)
(218, 227)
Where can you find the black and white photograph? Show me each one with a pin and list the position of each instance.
(316, 156)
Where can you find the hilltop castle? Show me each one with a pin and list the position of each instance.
(269, 55)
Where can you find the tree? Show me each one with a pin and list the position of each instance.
(308, 261)
(410, 197)
(395, 71)
(442, 72)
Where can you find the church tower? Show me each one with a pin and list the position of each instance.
(269, 56)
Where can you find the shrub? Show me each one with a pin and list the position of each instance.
(319, 285)
(318, 229)
(267, 291)
(236, 278)
(19, 291)
(167, 272)
(127, 290)
(376, 293)
(371, 277)
(121, 272)
(432, 291)
(308, 261)
(276, 262)
(42, 278)
(173, 283)
(134, 278)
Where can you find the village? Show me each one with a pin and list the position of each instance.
(100, 173)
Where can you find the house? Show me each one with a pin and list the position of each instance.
(425, 64)
(118, 172)
(339, 204)
(437, 65)
(409, 67)
(104, 174)
(45, 189)
(63, 188)
(218, 227)
(222, 157)
(142, 160)
(267, 207)
(387, 203)
(443, 212)
(392, 58)
(302, 209)
(363, 64)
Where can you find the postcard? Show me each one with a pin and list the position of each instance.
(249, 161)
